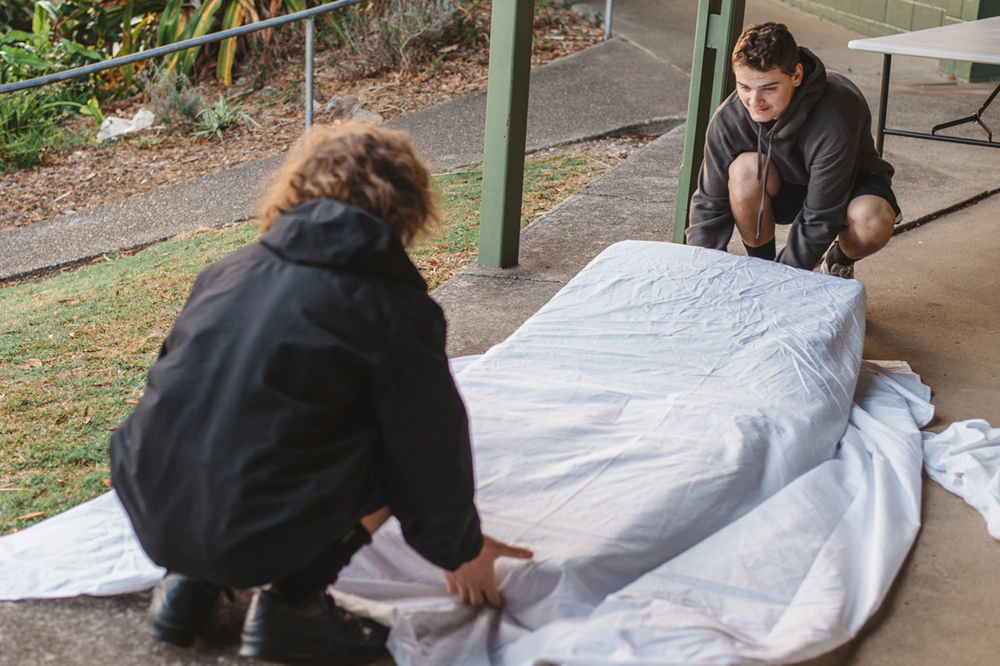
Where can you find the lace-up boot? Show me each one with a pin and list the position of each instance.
(315, 631)
(180, 606)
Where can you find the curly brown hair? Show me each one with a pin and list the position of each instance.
(372, 168)
(764, 46)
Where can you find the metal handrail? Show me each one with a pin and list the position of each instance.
(307, 15)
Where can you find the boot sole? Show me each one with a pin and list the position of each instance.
(261, 650)
(173, 634)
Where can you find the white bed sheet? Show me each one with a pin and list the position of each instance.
(670, 436)
(965, 459)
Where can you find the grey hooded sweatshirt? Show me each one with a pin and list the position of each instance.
(821, 141)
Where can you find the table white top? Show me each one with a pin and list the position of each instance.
(974, 41)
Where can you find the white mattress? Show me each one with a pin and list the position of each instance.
(681, 437)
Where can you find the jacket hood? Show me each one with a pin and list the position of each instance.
(806, 95)
(333, 234)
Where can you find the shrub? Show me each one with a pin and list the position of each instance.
(26, 55)
(172, 101)
(29, 125)
(29, 118)
(403, 34)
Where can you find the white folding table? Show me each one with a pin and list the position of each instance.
(974, 41)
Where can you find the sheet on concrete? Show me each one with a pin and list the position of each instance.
(674, 436)
(965, 459)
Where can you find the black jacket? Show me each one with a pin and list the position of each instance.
(304, 382)
(821, 140)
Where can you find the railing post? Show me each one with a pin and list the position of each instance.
(609, 8)
(506, 128)
(719, 25)
(310, 32)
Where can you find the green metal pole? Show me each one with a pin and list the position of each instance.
(719, 25)
(506, 127)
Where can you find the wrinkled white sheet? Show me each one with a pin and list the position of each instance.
(965, 459)
(670, 436)
(89, 549)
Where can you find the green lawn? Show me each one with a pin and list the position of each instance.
(74, 349)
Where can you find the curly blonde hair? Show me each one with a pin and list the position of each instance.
(372, 168)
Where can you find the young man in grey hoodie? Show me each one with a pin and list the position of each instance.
(792, 145)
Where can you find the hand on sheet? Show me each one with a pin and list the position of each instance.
(475, 581)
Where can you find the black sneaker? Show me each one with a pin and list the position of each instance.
(180, 605)
(314, 632)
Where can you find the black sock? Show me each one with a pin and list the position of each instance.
(765, 251)
(837, 256)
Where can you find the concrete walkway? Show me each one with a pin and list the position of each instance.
(932, 296)
(933, 302)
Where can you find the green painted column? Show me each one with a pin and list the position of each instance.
(720, 23)
(506, 126)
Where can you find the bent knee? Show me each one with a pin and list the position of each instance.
(871, 218)
(743, 178)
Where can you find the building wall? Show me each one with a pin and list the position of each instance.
(875, 18)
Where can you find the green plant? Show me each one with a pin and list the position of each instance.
(171, 100)
(29, 119)
(25, 55)
(567, 4)
(111, 27)
(221, 116)
(16, 15)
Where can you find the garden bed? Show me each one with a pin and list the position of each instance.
(271, 94)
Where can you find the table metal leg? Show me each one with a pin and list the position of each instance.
(976, 117)
(882, 102)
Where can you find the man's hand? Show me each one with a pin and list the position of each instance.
(475, 581)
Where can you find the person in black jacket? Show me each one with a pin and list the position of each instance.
(302, 396)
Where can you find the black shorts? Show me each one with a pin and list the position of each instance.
(791, 197)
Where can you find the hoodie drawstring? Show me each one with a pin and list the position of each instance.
(767, 170)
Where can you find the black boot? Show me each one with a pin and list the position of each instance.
(315, 631)
(180, 605)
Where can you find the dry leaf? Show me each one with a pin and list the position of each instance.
(31, 363)
(86, 415)
(33, 514)
(40, 493)
(106, 483)
(132, 401)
